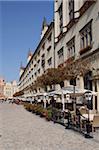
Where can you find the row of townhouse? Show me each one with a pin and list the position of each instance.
(39, 61)
(73, 34)
(7, 89)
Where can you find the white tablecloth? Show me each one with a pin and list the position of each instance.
(86, 116)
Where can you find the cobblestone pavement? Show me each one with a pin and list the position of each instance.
(21, 130)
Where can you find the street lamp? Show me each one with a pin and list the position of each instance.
(45, 99)
(88, 98)
(68, 119)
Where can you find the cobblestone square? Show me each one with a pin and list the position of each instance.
(21, 130)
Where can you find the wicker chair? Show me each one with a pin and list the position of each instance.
(95, 122)
(83, 110)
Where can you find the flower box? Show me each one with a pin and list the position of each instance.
(84, 50)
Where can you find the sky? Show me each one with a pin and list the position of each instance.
(20, 29)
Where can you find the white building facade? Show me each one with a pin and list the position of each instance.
(39, 61)
(10, 88)
(76, 36)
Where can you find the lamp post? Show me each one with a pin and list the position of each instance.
(63, 108)
(88, 98)
(68, 119)
(45, 100)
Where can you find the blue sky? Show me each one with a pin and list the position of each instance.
(20, 29)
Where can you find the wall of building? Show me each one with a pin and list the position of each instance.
(66, 29)
(44, 55)
(2, 82)
(10, 88)
(91, 14)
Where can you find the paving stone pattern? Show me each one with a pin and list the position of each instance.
(22, 130)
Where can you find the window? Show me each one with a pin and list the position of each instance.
(35, 66)
(61, 17)
(49, 38)
(50, 61)
(43, 56)
(73, 82)
(35, 58)
(86, 36)
(71, 10)
(43, 46)
(39, 53)
(60, 53)
(39, 71)
(43, 61)
(38, 61)
(49, 48)
(88, 81)
(35, 74)
(31, 69)
(71, 48)
(60, 56)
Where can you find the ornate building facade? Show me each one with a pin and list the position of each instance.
(10, 88)
(39, 61)
(73, 34)
(2, 83)
(76, 36)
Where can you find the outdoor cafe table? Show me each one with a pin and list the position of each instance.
(85, 116)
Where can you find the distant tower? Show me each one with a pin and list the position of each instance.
(21, 69)
(29, 55)
(44, 27)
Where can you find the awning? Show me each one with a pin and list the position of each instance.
(74, 91)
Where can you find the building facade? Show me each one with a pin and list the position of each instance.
(2, 83)
(76, 36)
(10, 88)
(39, 61)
